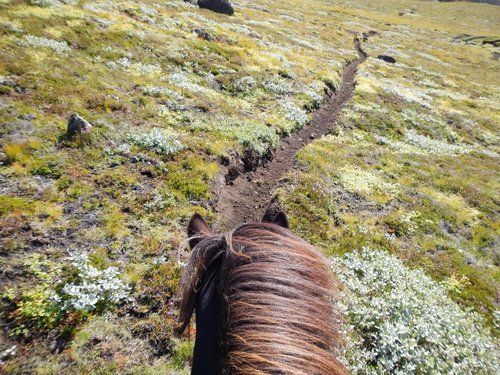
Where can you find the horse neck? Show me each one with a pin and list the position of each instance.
(207, 348)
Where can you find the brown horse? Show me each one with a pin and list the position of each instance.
(263, 299)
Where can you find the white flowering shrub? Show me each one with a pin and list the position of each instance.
(294, 114)
(183, 81)
(138, 67)
(102, 7)
(175, 102)
(164, 142)
(159, 91)
(313, 91)
(148, 12)
(244, 84)
(123, 62)
(93, 289)
(366, 182)
(305, 43)
(252, 135)
(279, 86)
(35, 41)
(436, 146)
(45, 3)
(408, 93)
(52, 3)
(399, 321)
(146, 69)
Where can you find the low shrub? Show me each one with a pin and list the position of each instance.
(252, 135)
(162, 142)
(399, 321)
(93, 289)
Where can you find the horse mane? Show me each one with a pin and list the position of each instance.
(278, 297)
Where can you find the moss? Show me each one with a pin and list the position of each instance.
(192, 179)
(35, 311)
(161, 281)
(14, 152)
(116, 181)
(182, 353)
(32, 309)
(99, 258)
(314, 215)
(45, 167)
(10, 204)
(6, 90)
(115, 223)
(134, 273)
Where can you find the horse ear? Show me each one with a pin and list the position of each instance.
(279, 219)
(197, 229)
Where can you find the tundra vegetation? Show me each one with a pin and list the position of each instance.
(403, 193)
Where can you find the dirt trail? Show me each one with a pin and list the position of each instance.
(248, 196)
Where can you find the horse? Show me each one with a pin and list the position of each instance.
(264, 301)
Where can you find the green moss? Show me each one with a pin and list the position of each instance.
(115, 223)
(116, 181)
(182, 353)
(6, 90)
(35, 311)
(14, 152)
(192, 179)
(10, 204)
(161, 281)
(45, 167)
(99, 258)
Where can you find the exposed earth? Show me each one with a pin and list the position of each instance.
(244, 195)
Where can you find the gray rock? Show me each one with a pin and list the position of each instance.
(77, 125)
(203, 34)
(386, 58)
(470, 259)
(8, 353)
(219, 6)
(28, 117)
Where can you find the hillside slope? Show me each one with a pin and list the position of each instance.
(92, 227)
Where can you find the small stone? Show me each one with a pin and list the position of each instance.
(470, 260)
(8, 353)
(147, 172)
(28, 117)
(77, 125)
(21, 89)
(233, 173)
(203, 34)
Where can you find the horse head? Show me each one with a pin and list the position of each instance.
(263, 299)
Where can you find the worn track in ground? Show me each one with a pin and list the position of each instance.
(248, 196)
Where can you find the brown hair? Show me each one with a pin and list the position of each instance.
(277, 295)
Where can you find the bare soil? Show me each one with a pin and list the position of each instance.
(247, 196)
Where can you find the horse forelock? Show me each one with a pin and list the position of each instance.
(278, 293)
